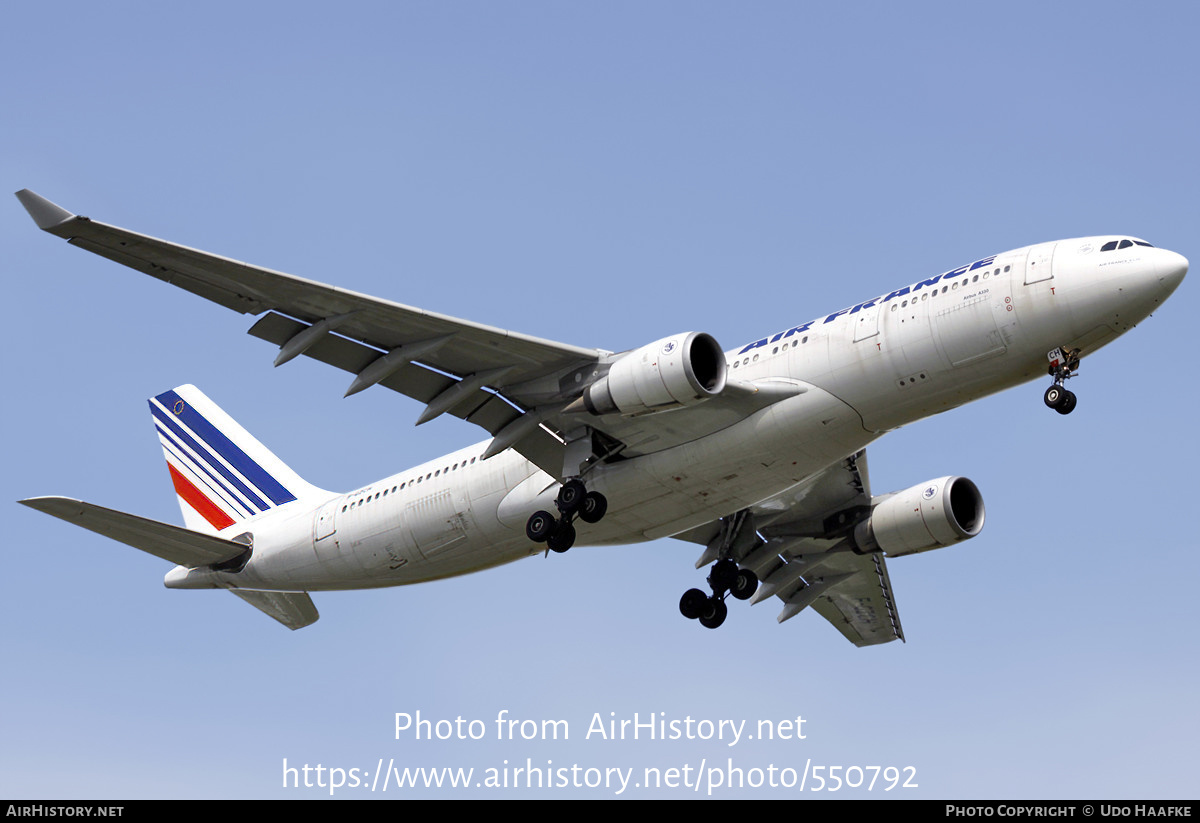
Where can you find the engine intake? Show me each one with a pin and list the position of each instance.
(677, 371)
(928, 516)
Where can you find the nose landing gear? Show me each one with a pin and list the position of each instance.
(1064, 364)
(574, 500)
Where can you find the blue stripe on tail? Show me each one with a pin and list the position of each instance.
(222, 445)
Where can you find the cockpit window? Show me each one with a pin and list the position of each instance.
(1124, 244)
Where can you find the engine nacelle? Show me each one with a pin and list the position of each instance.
(677, 371)
(933, 515)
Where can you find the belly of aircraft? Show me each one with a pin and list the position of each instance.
(651, 496)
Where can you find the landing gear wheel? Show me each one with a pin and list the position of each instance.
(692, 604)
(1054, 396)
(540, 526)
(723, 575)
(562, 538)
(571, 497)
(595, 506)
(744, 585)
(1064, 364)
(714, 613)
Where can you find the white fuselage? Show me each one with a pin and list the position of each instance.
(862, 371)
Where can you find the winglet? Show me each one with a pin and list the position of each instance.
(46, 214)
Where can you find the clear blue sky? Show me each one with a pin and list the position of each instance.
(602, 174)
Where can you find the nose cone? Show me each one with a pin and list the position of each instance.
(1171, 269)
(1122, 287)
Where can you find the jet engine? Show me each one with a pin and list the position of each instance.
(677, 371)
(928, 516)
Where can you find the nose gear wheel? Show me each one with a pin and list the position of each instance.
(1064, 364)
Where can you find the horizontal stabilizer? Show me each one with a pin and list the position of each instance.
(293, 609)
(179, 545)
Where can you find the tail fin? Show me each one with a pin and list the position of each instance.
(221, 473)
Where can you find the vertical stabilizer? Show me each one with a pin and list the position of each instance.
(221, 473)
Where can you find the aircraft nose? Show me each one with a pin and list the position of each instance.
(1171, 269)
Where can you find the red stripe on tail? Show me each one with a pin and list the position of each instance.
(216, 518)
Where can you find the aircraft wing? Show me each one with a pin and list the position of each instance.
(806, 558)
(513, 385)
(451, 365)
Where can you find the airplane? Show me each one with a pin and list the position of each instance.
(756, 453)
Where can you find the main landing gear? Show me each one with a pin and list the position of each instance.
(1064, 364)
(573, 500)
(725, 578)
